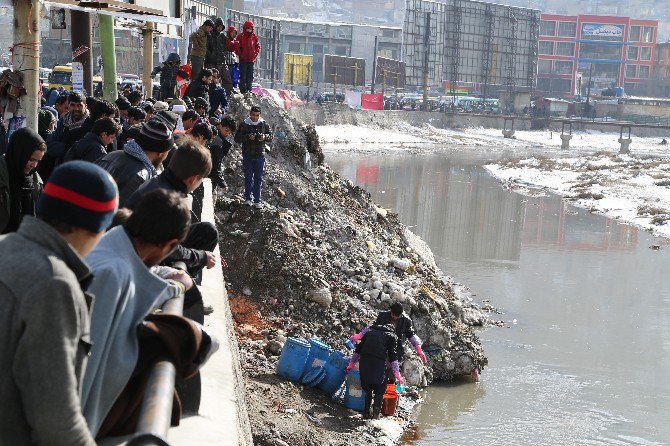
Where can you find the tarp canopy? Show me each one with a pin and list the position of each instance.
(122, 11)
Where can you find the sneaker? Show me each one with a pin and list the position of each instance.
(208, 309)
(249, 202)
(258, 205)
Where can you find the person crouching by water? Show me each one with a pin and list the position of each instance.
(20, 184)
(375, 350)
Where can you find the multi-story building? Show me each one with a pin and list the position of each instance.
(608, 50)
(660, 85)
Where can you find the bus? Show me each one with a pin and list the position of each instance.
(61, 76)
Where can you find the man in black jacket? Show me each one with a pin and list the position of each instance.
(199, 88)
(253, 133)
(139, 159)
(100, 109)
(220, 147)
(377, 347)
(190, 164)
(403, 330)
(93, 145)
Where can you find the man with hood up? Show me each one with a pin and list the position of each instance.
(248, 49)
(212, 43)
(169, 72)
(226, 59)
(198, 47)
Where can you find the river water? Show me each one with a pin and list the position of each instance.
(585, 356)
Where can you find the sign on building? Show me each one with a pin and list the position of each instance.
(342, 70)
(602, 32)
(298, 69)
(77, 76)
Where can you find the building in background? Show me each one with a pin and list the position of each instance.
(608, 50)
(340, 39)
(491, 47)
(302, 37)
(660, 86)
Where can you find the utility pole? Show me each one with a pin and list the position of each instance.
(82, 35)
(26, 56)
(374, 67)
(588, 91)
(108, 54)
(426, 71)
(273, 66)
(148, 56)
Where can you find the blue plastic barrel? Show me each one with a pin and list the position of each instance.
(319, 352)
(293, 358)
(354, 395)
(335, 373)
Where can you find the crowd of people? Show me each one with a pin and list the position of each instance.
(104, 203)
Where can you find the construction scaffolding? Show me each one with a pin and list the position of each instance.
(268, 30)
(490, 45)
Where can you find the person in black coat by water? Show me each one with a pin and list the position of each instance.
(376, 348)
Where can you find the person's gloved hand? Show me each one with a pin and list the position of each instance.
(350, 366)
(422, 355)
(399, 378)
(357, 337)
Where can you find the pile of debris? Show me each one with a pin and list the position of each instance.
(320, 259)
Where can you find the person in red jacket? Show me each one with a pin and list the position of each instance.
(248, 49)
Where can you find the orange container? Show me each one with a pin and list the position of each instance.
(390, 401)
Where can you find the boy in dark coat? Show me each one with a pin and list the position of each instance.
(169, 72)
(377, 347)
(253, 133)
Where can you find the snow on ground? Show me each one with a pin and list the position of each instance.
(629, 188)
(432, 138)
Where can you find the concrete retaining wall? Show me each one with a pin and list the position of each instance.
(338, 114)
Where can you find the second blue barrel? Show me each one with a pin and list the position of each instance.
(335, 373)
(293, 358)
(319, 352)
(354, 395)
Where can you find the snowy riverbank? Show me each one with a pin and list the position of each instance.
(634, 188)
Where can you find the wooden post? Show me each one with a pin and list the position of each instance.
(82, 35)
(26, 56)
(148, 57)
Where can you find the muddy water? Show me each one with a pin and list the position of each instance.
(585, 358)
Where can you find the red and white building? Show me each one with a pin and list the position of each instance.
(611, 51)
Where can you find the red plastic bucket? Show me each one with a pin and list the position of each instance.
(390, 401)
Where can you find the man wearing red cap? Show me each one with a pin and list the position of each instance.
(45, 311)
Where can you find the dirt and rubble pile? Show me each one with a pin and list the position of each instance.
(320, 259)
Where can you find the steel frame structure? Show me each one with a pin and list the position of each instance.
(474, 42)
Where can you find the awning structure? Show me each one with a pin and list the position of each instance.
(117, 9)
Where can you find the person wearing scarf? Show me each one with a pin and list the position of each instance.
(20, 184)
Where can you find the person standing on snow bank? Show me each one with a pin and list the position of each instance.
(198, 47)
(376, 348)
(227, 60)
(253, 133)
(403, 330)
(248, 48)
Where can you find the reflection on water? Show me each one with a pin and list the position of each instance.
(587, 361)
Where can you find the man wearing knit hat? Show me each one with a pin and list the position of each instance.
(123, 104)
(45, 311)
(140, 158)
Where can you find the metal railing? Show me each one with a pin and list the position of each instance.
(156, 412)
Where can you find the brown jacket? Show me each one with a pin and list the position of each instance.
(198, 43)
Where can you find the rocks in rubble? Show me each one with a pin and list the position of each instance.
(322, 296)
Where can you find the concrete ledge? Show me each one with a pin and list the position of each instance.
(223, 417)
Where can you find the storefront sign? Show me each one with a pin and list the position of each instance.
(77, 76)
(607, 31)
